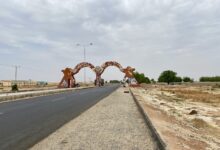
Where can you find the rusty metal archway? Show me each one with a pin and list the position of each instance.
(68, 79)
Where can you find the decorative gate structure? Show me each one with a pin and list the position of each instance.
(69, 81)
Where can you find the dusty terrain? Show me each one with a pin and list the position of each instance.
(113, 123)
(186, 116)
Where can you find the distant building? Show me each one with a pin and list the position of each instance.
(21, 83)
(5, 83)
(42, 83)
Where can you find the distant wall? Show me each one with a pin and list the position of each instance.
(26, 83)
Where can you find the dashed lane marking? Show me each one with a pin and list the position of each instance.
(58, 99)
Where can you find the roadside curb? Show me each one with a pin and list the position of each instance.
(38, 93)
(161, 144)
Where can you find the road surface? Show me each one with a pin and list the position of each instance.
(25, 122)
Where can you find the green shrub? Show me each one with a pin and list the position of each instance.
(114, 81)
(153, 81)
(187, 79)
(14, 88)
(140, 78)
(178, 79)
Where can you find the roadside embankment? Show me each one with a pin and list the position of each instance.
(185, 118)
(22, 95)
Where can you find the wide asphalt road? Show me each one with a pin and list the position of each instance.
(25, 122)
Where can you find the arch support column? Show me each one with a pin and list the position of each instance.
(98, 80)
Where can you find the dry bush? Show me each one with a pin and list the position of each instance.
(199, 123)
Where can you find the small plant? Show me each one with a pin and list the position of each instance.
(14, 88)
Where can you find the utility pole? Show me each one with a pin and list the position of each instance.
(16, 70)
(16, 73)
(84, 56)
(84, 61)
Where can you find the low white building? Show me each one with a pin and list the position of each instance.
(5, 83)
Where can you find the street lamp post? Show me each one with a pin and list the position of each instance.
(84, 56)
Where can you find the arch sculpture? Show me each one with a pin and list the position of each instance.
(68, 79)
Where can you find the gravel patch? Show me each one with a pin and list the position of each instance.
(113, 123)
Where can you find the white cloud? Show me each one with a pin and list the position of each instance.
(150, 35)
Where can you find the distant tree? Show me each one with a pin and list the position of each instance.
(140, 78)
(152, 81)
(187, 79)
(210, 79)
(167, 76)
(114, 81)
(178, 79)
(147, 80)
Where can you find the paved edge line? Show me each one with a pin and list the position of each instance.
(161, 144)
(43, 93)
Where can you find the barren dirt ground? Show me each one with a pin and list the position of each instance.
(186, 116)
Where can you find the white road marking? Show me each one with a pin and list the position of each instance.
(1, 113)
(81, 93)
(58, 99)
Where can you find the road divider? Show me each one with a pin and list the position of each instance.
(23, 95)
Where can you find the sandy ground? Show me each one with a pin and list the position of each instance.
(113, 123)
(169, 109)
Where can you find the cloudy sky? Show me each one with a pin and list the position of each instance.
(150, 35)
